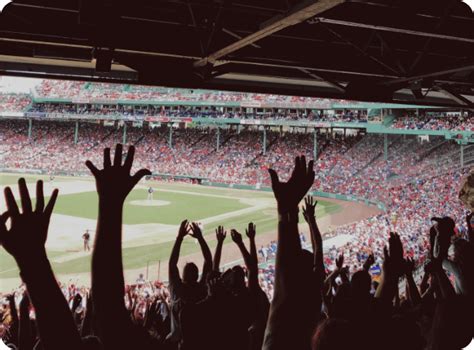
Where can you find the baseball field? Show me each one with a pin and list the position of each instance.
(150, 225)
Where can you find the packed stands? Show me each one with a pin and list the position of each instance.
(435, 121)
(409, 173)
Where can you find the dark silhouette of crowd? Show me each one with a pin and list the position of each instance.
(206, 308)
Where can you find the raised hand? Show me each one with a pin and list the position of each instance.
(340, 262)
(114, 181)
(221, 234)
(393, 256)
(236, 237)
(195, 231)
(251, 231)
(76, 302)
(184, 229)
(27, 235)
(289, 194)
(309, 208)
(369, 262)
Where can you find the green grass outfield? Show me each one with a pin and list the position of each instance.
(186, 202)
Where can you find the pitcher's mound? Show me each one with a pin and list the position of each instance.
(150, 203)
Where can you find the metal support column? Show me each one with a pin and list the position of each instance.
(76, 132)
(315, 144)
(124, 136)
(264, 141)
(385, 146)
(462, 155)
(30, 128)
(170, 140)
(218, 138)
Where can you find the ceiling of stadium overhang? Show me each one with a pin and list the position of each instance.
(420, 51)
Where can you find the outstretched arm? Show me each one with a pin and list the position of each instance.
(25, 337)
(220, 236)
(113, 183)
(283, 319)
(173, 271)
(250, 263)
(251, 232)
(25, 242)
(288, 196)
(309, 213)
(392, 269)
(206, 252)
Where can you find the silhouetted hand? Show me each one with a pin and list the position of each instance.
(76, 302)
(236, 237)
(184, 229)
(196, 231)
(221, 234)
(340, 261)
(309, 208)
(251, 231)
(369, 262)
(114, 181)
(393, 256)
(289, 194)
(27, 235)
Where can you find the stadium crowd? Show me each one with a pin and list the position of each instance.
(435, 121)
(87, 91)
(319, 301)
(142, 111)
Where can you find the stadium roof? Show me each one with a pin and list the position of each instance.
(418, 51)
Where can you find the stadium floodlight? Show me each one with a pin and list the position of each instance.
(3, 3)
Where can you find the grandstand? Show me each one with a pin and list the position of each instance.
(230, 140)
